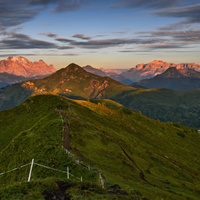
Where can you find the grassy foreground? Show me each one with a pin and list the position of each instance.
(139, 157)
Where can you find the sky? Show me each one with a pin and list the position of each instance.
(101, 33)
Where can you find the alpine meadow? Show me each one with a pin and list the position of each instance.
(99, 100)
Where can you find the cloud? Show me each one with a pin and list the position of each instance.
(82, 36)
(105, 43)
(98, 44)
(190, 13)
(41, 2)
(145, 3)
(68, 5)
(187, 36)
(15, 13)
(61, 5)
(51, 35)
(36, 54)
(22, 41)
(64, 40)
(15, 55)
(121, 32)
(164, 46)
(175, 39)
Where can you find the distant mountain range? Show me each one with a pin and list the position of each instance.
(173, 78)
(114, 74)
(141, 71)
(101, 71)
(17, 69)
(146, 71)
(6, 79)
(24, 69)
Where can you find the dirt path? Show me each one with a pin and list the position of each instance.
(66, 135)
(66, 145)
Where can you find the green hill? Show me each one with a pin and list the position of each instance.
(75, 82)
(180, 106)
(138, 157)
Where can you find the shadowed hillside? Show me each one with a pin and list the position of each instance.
(164, 104)
(173, 78)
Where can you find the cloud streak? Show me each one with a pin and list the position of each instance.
(164, 46)
(13, 16)
(36, 54)
(14, 13)
(189, 36)
(175, 39)
(145, 3)
(82, 36)
(51, 35)
(22, 41)
(190, 14)
(105, 43)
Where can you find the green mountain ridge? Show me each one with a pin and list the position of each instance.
(145, 158)
(75, 81)
(72, 81)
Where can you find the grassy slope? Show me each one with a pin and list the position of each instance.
(35, 130)
(145, 157)
(164, 153)
(165, 105)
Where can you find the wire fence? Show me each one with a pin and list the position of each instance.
(14, 169)
(101, 177)
(40, 165)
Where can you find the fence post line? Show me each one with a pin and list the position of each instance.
(67, 172)
(81, 179)
(29, 177)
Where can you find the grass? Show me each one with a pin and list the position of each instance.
(165, 105)
(145, 157)
(157, 148)
(35, 130)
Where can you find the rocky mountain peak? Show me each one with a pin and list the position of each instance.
(156, 67)
(21, 66)
(157, 62)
